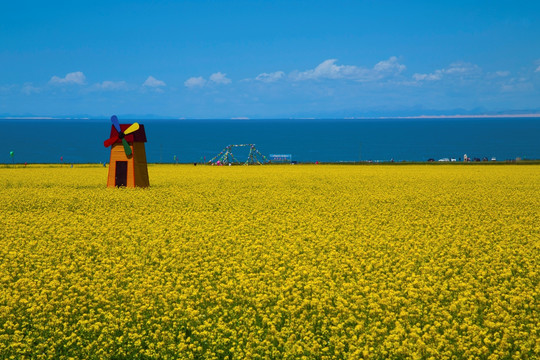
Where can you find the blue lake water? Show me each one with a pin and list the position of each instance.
(332, 140)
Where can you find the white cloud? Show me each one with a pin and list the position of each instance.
(502, 73)
(455, 69)
(199, 82)
(389, 66)
(461, 68)
(437, 75)
(194, 82)
(7, 88)
(70, 78)
(220, 78)
(153, 82)
(329, 70)
(518, 87)
(270, 77)
(517, 84)
(29, 89)
(537, 69)
(112, 85)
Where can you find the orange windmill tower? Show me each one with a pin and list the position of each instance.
(127, 166)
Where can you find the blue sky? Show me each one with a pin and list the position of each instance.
(263, 59)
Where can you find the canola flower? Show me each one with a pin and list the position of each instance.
(271, 262)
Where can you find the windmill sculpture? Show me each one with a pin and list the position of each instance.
(127, 166)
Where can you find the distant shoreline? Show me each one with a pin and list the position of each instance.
(462, 116)
(483, 116)
(308, 163)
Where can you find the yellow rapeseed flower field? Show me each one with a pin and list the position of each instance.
(271, 262)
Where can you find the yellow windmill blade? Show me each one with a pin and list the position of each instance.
(132, 128)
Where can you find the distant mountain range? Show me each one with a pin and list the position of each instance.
(371, 114)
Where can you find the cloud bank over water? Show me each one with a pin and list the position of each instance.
(328, 88)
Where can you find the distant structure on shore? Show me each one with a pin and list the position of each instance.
(281, 158)
(226, 157)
